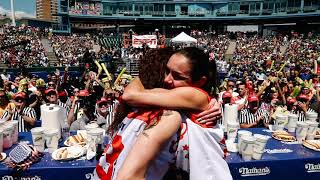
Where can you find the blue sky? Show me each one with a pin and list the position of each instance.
(26, 6)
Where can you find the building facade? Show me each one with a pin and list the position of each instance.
(180, 12)
(47, 10)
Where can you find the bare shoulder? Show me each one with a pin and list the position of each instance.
(171, 116)
(170, 113)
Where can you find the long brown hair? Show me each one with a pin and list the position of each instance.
(151, 73)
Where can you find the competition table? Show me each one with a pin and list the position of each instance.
(280, 161)
(284, 161)
(48, 169)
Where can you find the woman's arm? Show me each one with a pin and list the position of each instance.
(178, 98)
(148, 145)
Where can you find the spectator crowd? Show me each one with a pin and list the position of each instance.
(21, 46)
(265, 76)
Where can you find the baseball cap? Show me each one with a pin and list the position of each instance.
(303, 97)
(292, 100)
(102, 100)
(84, 93)
(21, 95)
(63, 93)
(253, 98)
(50, 90)
(40, 83)
(226, 95)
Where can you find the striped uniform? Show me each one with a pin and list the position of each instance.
(111, 109)
(301, 115)
(61, 104)
(246, 117)
(27, 111)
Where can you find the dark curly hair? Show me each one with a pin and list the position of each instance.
(152, 68)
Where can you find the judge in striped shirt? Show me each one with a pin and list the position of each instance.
(52, 98)
(253, 115)
(104, 112)
(302, 107)
(25, 115)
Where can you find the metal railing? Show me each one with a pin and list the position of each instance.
(60, 28)
(201, 13)
(310, 8)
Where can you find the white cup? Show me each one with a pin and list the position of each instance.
(15, 131)
(246, 157)
(301, 131)
(96, 135)
(257, 155)
(280, 122)
(1, 140)
(52, 139)
(260, 142)
(7, 136)
(312, 129)
(38, 138)
(247, 145)
(311, 116)
(292, 122)
(242, 133)
(232, 129)
(90, 126)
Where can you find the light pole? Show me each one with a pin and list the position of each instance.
(12, 14)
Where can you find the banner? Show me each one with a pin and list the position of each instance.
(150, 40)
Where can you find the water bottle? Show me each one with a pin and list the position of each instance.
(65, 131)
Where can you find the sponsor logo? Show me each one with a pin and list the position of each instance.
(277, 151)
(22, 178)
(254, 171)
(89, 176)
(311, 168)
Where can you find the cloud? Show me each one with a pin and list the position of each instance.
(18, 14)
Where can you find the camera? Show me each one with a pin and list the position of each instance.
(81, 103)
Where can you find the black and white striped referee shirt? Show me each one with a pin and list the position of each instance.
(110, 116)
(23, 126)
(301, 115)
(246, 117)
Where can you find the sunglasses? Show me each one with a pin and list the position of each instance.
(230, 85)
(75, 91)
(103, 104)
(51, 84)
(303, 100)
(51, 93)
(19, 100)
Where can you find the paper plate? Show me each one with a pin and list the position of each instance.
(74, 152)
(317, 136)
(4, 156)
(285, 140)
(67, 143)
(307, 145)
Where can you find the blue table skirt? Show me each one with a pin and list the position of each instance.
(48, 168)
(293, 161)
(301, 163)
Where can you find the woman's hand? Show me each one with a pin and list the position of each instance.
(210, 116)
